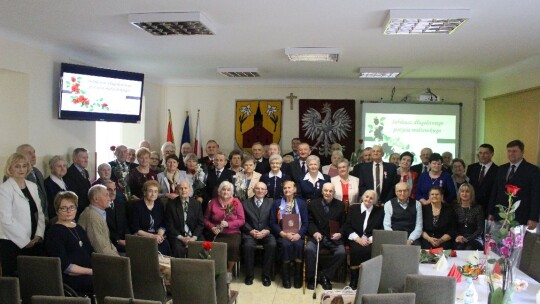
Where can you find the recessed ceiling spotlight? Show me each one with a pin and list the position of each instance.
(312, 54)
(428, 21)
(166, 24)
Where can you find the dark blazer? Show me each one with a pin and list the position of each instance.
(290, 153)
(318, 218)
(78, 184)
(39, 181)
(482, 191)
(207, 164)
(418, 168)
(295, 169)
(263, 166)
(256, 218)
(212, 184)
(275, 225)
(309, 191)
(51, 189)
(355, 221)
(117, 222)
(365, 174)
(445, 225)
(526, 177)
(174, 219)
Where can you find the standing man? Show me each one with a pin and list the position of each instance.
(116, 217)
(208, 161)
(261, 164)
(295, 142)
(184, 150)
(256, 231)
(299, 167)
(526, 176)
(35, 175)
(120, 164)
(216, 177)
(184, 220)
(425, 153)
(447, 162)
(77, 178)
(326, 219)
(403, 213)
(482, 176)
(376, 175)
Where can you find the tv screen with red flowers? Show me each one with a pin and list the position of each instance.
(90, 93)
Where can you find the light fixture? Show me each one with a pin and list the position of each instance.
(166, 24)
(239, 72)
(428, 21)
(379, 72)
(312, 54)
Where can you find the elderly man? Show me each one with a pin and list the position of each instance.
(326, 219)
(116, 218)
(77, 178)
(35, 175)
(216, 176)
(403, 213)
(376, 175)
(261, 164)
(425, 153)
(94, 220)
(256, 231)
(294, 146)
(482, 175)
(184, 220)
(447, 161)
(299, 167)
(185, 148)
(167, 149)
(120, 164)
(212, 147)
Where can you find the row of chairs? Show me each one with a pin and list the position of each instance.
(530, 259)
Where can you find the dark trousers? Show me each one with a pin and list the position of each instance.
(9, 253)
(358, 253)
(338, 255)
(250, 243)
(290, 251)
(179, 250)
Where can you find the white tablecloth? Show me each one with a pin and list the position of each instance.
(526, 296)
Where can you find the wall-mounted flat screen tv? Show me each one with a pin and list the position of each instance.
(89, 93)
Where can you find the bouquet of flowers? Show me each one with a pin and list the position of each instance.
(240, 186)
(197, 181)
(121, 172)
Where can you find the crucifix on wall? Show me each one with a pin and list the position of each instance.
(291, 98)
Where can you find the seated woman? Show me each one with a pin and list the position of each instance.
(171, 177)
(435, 177)
(139, 175)
(275, 178)
(290, 244)
(54, 183)
(223, 218)
(196, 176)
(438, 221)
(470, 220)
(245, 181)
(312, 182)
(362, 219)
(346, 185)
(69, 242)
(332, 169)
(148, 217)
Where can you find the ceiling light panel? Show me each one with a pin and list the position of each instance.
(166, 24)
(239, 72)
(379, 73)
(407, 22)
(312, 54)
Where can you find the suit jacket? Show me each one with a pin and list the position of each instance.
(355, 221)
(117, 221)
(207, 164)
(97, 230)
(526, 177)
(482, 191)
(297, 175)
(78, 184)
(318, 218)
(212, 183)
(39, 181)
(365, 174)
(51, 189)
(263, 166)
(419, 168)
(257, 218)
(174, 219)
(16, 224)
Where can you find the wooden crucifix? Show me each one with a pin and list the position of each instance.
(291, 98)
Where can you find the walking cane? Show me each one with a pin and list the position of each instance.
(304, 271)
(316, 267)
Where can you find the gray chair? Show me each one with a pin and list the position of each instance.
(9, 291)
(369, 276)
(186, 278)
(146, 278)
(116, 300)
(399, 261)
(112, 276)
(39, 276)
(392, 298)
(381, 237)
(432, 289)
(534, 265)
(59, 300)
(528, 252)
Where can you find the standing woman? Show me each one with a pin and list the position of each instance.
(171, 177)
(405, 174)
(54, 183)
(275, 178)
(332, 169)
(139, 175)
(346, 185)
(291, 245)
(22, 222)
(458, 173)
(470, 220)
(438, 222)
(313, 181)
(435, 177)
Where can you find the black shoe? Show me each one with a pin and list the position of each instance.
(298, 275)
(266, 281)
(285, 275)
(325, 282)
(354, 279)
(311, 283)
(249, 280)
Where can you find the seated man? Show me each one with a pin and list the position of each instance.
(94, 220)
(403, 213)
(255, 231)
(116, 217)
(324, 214)
(184, 220)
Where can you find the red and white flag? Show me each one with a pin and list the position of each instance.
(197, 147)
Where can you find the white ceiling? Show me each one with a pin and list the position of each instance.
(254, 33)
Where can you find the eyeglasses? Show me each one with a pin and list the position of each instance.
(66, 209)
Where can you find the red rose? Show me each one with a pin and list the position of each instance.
(512, 190)
(207, 246)
(73, 79)
(104, 105)
(113, 148)
(75, 88)
(453, 253)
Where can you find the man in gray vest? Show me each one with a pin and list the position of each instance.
(403, 213)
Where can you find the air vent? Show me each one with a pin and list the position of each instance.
(239, 72)
(167, 24)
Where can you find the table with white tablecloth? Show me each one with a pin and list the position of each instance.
(526, 296)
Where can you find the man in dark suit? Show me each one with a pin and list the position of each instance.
(116, 218)
(35, 175)
(216, 177)
(120, 164)
(376, 175)
(422, 167)
(324, 214)
(207, 162)
(77, 178)
(526, 176)
(185, 148)
(256, 231)
(299, 167)
(184, 220)
(261, 164)
(294, 146)
(482, 175)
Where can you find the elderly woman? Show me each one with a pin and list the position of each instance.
(332, 169)
(311, 185)
(235, 161)
(54, 183)
(458, 173)
(196, 176)
(69, 242)
(361, 221)
(246, 180)
(470, 220)
(154, 162)
(275, 178)
(438, 221)
(404, 172)
(139, 175)
(346, 185)
(148, 218)
(290, 243)
(223, 218)
(104, 172)
(435, 177)
(22, 222)
(171, 177)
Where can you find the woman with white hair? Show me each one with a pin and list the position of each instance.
(275, 178)
(346, 185)
(332, 169)
(54, 183)
(104, 172)
(313, 181)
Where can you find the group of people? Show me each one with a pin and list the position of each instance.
(290, 204)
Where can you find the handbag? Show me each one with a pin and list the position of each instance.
(344, 296)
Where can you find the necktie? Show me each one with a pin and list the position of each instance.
(112, 205)
(259, 203)
(303, 167)
(425, 169)
(482, 174)
(326, 208)
(378, 179)
(84, 173)
(275, 185)
(512, 172)
(218, 173)
(186, 227)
